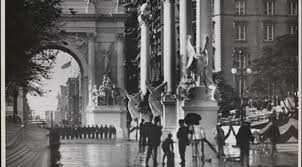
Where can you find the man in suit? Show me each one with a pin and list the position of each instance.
(183, 139)
(154, 134)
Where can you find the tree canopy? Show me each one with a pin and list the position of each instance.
(229, 99)
(30, 24)
(277, 65)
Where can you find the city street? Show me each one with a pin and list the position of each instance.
(122, 153)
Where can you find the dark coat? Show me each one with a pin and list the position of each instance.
(244, 135)
(182, 135)
(154, 135)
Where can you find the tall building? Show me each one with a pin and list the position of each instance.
(73, 101)
(62, 106)
(249, 26)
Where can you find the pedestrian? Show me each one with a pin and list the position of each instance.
(84, 131)
(80, 131)
(220, 139)
(243, 139)
(101, 130)
(88, 132)
(113, 132)
(97, 131)
(168, 150)
(106, 130)
(142, 136)
(274, 134)
(154, 134)
(110, 131)
(92, 131)
(183, 140)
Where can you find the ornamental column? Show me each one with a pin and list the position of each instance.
(120, 62)
(169, 46)
(168, 100)
(91, 65)
(144, 50)
(91, 58)
(185, 28)
(204, 30)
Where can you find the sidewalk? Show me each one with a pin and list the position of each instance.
(123, 153)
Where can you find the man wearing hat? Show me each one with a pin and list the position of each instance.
(243, 138)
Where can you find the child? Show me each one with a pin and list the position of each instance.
(167, 147)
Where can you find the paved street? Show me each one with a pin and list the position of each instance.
(121, 153)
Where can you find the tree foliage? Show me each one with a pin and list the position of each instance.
(277, 65)
(229, 99)
(30, 25)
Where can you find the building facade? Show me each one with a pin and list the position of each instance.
(249, 26)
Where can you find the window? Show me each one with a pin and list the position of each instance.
(240, 30)
(292, 7)
(239, 7)
(269, 8)
(268, 32)
(293, 29)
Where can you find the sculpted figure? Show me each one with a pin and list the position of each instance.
(198, 63)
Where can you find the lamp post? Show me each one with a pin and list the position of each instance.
(240, 58)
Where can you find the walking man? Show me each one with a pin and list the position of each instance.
(243, 138)
(183, 139)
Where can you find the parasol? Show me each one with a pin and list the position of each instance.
(192, 119)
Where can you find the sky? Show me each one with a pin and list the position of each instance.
(59, 77)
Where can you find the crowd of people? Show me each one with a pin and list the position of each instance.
(86, 132)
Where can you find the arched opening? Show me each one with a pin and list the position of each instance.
(66, 94)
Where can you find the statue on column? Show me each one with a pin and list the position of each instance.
(198, 63)
(93, 95)
(107, 57)
(144, 13)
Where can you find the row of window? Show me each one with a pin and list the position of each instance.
(268, 8)
(268, 31)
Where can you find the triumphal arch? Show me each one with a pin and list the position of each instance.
(93, 33)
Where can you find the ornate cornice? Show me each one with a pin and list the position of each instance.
(94, 17)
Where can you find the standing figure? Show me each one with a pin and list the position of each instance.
(274, 133)
(142, 136)
(113, 132)
(97, 132)
(243, 138)
(168, 148)
(88, 132)
(84, 131)
(220, 139)
(92, 131)
(106, 130)
(154, 134)
(183, 139)
(110, 131)
(101, 130)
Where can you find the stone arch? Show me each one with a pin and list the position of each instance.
(82, 62)
(75, 53)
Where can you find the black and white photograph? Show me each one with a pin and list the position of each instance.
(151, 83)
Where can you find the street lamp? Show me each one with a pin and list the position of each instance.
(239, 65)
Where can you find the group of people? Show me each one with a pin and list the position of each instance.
(86, 132)
(150, 136)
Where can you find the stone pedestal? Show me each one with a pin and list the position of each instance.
(207, 109)
(115, 115)
(169, 116)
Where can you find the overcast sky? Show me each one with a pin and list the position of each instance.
(59, 77)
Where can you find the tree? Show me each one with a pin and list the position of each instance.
(30, 25)
(229, 99)
(277, 66)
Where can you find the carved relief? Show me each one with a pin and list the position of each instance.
(78, 40)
